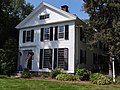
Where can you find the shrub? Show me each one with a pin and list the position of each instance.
(100, 79)
(118, 79)
(94, 77)
(55, 72)
(4, 76)
(83, 74)
(44, 75)
(65, 77)
(26, 73)
(77, 77)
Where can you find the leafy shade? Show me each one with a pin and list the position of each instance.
(11, 13)
(105, 18)
(8, 57)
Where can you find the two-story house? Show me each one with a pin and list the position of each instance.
(50, 37)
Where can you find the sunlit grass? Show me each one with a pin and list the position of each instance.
(23, 84)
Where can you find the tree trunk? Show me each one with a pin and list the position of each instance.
(110, 67)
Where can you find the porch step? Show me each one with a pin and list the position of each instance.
(18, 74)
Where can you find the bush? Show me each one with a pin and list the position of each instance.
(94, 77)
(65, 77)
(26, 73)
(83, 74)
(100, 79)
(55, 72)
(118, 79)
(4, 76)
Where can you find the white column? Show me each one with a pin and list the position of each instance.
(113, 64)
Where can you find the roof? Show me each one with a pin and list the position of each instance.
(74, 17)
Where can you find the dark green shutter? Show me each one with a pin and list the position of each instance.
(81, 55)
(85, 57)
(66, 32)
(55, 58)
(81, 33)
(50, 58)
(42, 31)
(32, 35)
(51, 33)
(24, 35)
(41, 59)
(65, 59)
(56, 33)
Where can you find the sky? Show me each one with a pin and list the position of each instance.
(75, 6)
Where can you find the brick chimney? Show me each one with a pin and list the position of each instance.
(65, 8)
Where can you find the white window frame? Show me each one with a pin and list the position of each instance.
(46, 34)
(43, 58)
(61, 32)
(26, 36)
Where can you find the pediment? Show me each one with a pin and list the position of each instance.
(55, 15)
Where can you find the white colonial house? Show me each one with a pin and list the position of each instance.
(50, 37)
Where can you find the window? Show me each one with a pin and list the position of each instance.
(28, 36)
(82, 56)
(61, 58)
(61, 32)
(47, 62)
(45, 58)
(46, 34)
(44, 16)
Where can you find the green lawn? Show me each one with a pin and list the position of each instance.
(22, 84)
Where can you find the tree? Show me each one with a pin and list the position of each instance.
(11, 13)
(8, 57)
(105, 19)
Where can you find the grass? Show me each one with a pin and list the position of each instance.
(23, 84)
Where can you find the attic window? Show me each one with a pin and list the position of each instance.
(44, 16)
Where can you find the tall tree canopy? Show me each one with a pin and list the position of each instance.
(11, 13)
(105, 19)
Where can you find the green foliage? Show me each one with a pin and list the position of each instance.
(26, 73)
(83, 74)
(100, 79)
(65, 77)
(3, 76)
(55, 72)
(106, 25)
(118, 79)
(8, 57)
(12, 12)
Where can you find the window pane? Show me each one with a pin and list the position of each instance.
(61, 29)
(47, 58)
(47, 16)
(28, 36)
(46, 34)
(61, 35)
(61, 58)
(61, 32)
(46, 30)
(44, 16)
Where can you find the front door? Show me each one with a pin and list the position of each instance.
(28, 59)
(29, 64)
